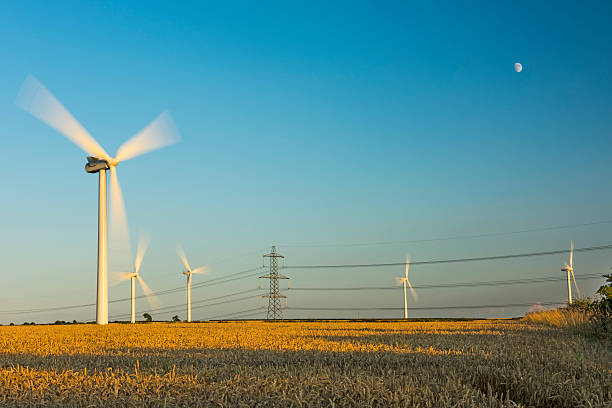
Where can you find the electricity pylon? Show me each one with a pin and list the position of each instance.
(275, 312)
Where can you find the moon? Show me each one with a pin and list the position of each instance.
(518, 67)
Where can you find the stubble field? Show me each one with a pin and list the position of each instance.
(492, 363)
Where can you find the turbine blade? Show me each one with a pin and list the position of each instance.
(159, 133)
(575, 284)
(119, 231)
(399, 281)
(143, 244)
(202, 270)
(34, 98)
(571, 253)
(154, 302)
(413, 292)
(119, 277)
(181, 254)
(407, 265)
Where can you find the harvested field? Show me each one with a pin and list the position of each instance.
(492, 363)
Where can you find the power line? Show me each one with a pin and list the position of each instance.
(455, 260)
(451, 238)
(235, 276)
(452, 285)
(50, 309)
(241, 313)
(429, 308)
(178, 307)
(212, 282)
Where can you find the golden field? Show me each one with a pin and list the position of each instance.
(487, 363)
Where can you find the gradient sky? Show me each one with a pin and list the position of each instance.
(314, 127)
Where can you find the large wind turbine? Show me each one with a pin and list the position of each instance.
(570, 270)
(143, 243)
(37, 100)
(405, 281)
(188, 272)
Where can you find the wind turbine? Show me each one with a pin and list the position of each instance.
(570, 270)
(188, 272)
(405, 281)
(143, 243)
(34, 98)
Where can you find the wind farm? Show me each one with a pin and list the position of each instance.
(381, 205)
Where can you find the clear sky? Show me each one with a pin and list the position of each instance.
(312, 126)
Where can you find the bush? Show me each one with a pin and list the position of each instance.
(584, 316)
(147, 317)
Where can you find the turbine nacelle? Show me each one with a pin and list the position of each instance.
(94, 165)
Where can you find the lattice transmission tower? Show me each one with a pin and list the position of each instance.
(275, 312)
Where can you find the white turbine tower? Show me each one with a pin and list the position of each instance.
(188, 272)
(38, 101)
(569, 269)
(405, 281)
(154, 303)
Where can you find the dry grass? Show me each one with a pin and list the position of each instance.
(592, 323)
(384, 364)
(562, 318)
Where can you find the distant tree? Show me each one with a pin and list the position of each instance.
(12, 324)
(74, 322)
(147, 317)
(26, 323)
(176, 319)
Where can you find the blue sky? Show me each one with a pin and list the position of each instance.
(304, 123)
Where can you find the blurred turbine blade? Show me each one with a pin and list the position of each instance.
(119, 231)
(143, 244)
(571, 253)
(202, 270)
(407, 265)
(118, 277)
(575, 284)
(34, 98)
(159, 133)
(413, 292)
(181, 254)
(154, 302)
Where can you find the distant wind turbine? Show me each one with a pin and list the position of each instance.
(188, 272)
(570, 270)
(405, 281)
(34, 98)
(154, 303)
